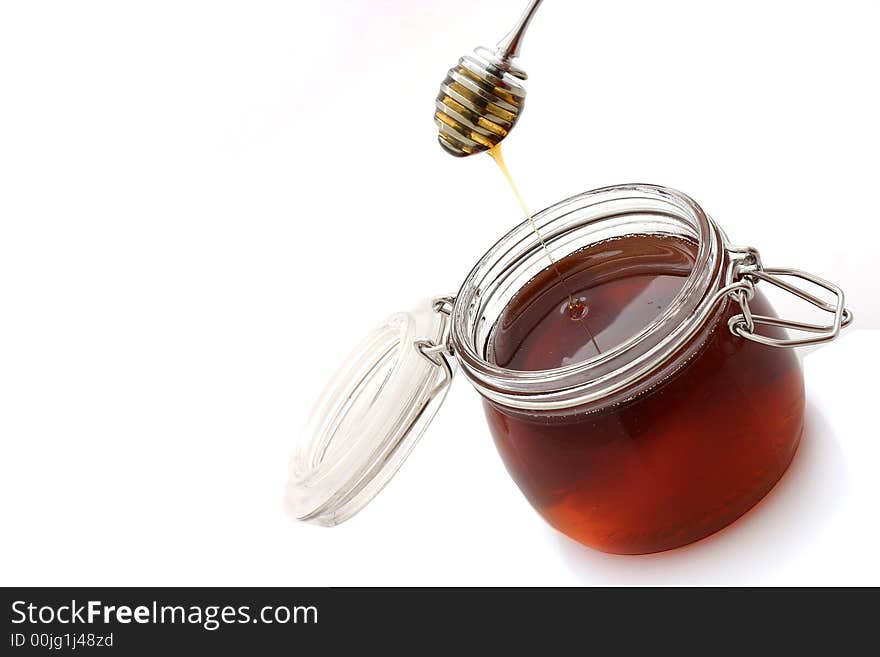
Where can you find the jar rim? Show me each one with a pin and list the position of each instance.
(567, 226)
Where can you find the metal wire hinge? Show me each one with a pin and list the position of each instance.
(440, 353)
(746, 271)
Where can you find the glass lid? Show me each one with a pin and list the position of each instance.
(371, 414)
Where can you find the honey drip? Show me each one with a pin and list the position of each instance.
(577, 308)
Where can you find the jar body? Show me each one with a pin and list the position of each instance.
(682, 459)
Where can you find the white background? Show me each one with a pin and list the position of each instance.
(204, 205)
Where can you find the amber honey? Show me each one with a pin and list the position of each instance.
(689, 453)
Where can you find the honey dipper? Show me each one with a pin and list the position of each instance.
(481, 98)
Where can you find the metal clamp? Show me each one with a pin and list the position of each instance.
(440, 353)
(747, 271)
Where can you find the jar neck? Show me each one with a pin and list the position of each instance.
(566, 227)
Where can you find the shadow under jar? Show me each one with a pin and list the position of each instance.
(623, 402)
(635, 387)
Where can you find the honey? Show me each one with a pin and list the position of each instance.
(685, 456)
(616, 288)
(575, 308)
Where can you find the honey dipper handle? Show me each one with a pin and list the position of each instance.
(509, 46)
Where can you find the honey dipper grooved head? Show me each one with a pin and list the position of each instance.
(479, 103)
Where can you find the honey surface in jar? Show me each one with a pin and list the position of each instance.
(680, 459)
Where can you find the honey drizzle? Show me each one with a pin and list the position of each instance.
(575, 308)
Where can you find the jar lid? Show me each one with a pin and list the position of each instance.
(371, 414)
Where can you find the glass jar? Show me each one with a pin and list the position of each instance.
(652, 444)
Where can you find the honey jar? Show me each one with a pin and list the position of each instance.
(641, 391)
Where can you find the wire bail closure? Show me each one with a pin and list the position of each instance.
(744, 272)
(747, 271)
(440, 353)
